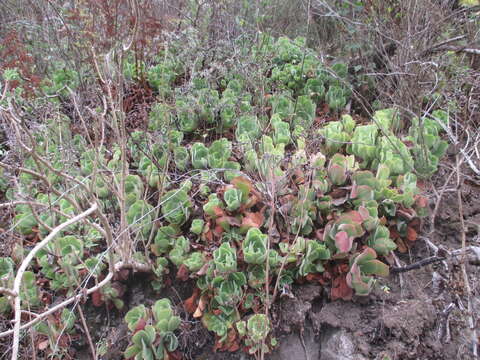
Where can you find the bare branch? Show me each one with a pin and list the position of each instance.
(23, 267)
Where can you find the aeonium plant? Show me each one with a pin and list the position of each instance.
(152, 329)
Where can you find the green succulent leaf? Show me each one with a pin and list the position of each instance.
(134, 316)
(255, 247)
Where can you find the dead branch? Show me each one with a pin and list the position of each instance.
(23, 267)
(417, 265)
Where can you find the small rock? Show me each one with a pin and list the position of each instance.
(291, 347)
(339, 345)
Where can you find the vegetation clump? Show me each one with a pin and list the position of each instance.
(223, 187)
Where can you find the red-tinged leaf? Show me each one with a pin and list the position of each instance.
(218, 231)
(354, 192)
(242, 181)
(230, 220)
(176, 355)
(421, 201)
(203, 269)
(354, 230)
(343, 268)
(408, 143)
(340, 289)
(315, 277)
(183, 273)
(207, 234)
(140, 325)
(190, 304)
(363, 211)
(234, 347)
(421, 184)
(394, 233)
(217, 312)
(375, 267)
(353, 216)
(97, 298)
(366, 255)
(411, 234)
(252, 219)
(230, 344)
(343, 242)
(218, 211)
(243, 184)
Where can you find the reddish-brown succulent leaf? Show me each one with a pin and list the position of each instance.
(421, 201)
(176, 355)
(230, 220)
(342, 268)
(363, 211)
(338, 193)
(394, 233)
(231, 343)
(207, 234)
(340, 289)
(223, 223)
(315, 277)
(353, 216)
(140, 325)
(218, 211)
(421, 184)
(252, 219)
(411, 234)
(218, 231)
(97, 298)
(343, 242)
(183, 273)
(353, 230)
(190, 304)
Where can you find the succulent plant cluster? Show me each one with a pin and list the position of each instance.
(217, 157)
(153, 336)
